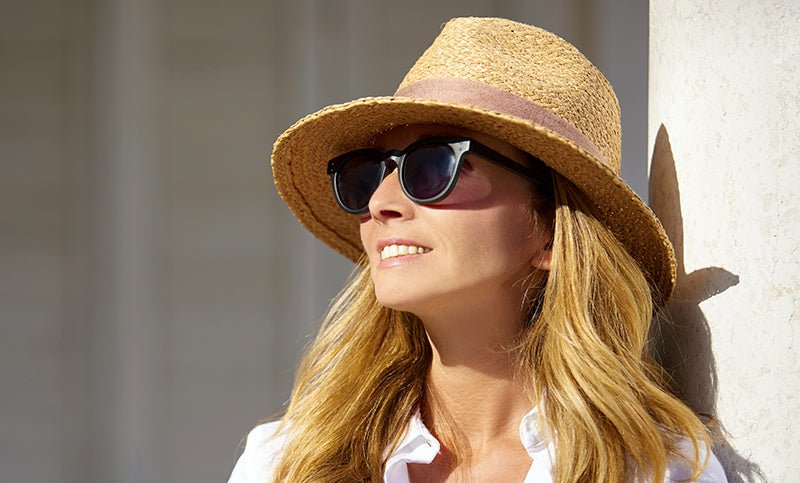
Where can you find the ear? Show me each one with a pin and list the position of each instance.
(542, 258)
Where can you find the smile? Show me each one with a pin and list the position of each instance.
(393, 251)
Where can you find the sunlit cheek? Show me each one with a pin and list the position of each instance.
(367, 242)
(506, 239)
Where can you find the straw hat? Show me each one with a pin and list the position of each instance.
(509, 80)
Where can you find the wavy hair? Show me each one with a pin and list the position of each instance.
(584, 351)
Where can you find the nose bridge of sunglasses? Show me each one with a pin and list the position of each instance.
(391, 163)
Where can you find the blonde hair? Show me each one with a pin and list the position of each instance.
(585, 353)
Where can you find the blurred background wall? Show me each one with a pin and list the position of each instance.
(155, 294)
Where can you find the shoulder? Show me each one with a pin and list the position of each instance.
(681, 470)
(261, 452)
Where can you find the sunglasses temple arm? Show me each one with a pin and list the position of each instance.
(507, 163)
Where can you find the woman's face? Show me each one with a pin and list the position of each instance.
(479, 243)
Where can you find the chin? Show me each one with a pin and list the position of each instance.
(396, 302)
(403, 299)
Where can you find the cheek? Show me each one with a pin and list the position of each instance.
(497, 240)
(367, 239)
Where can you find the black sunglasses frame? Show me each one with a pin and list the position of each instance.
(461, 146)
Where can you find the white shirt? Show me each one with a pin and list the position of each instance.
(418, 445)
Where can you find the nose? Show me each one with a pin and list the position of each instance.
(389, 202)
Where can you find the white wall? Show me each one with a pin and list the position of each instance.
(725, 179)
(155, 293)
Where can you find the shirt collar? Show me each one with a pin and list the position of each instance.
(418, 445)
(531, 433)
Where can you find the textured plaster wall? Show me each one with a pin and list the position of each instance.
(724, 118)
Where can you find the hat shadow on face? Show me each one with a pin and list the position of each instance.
(683, 342)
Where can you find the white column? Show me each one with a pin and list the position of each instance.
(128, 377)
(724, 117)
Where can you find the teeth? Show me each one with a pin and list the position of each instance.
(391, 251)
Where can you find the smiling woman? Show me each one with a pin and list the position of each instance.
(480, 241)
(497, 327)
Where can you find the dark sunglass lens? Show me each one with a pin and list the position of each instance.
(358, 179)
(428, 169)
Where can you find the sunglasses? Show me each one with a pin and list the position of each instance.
(428, 170)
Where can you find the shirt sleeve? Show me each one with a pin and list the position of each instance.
(261, 452)
(681, 470)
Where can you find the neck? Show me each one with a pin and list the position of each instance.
(474, 392)
(476, 404)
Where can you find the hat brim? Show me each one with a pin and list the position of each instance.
(301, 153)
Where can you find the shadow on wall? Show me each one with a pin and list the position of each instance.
(683, 344)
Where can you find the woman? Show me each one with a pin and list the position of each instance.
(497, 326)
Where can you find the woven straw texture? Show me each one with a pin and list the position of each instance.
(497, 55)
